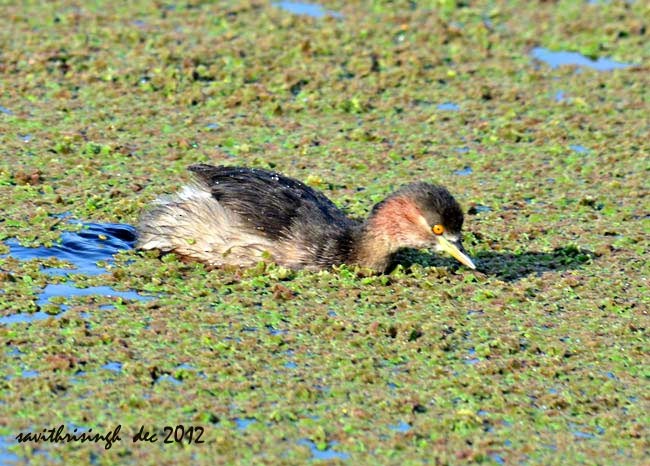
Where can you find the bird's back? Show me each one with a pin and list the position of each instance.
(235, 215)
(269, 202)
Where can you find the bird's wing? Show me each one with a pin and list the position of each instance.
(268, 201)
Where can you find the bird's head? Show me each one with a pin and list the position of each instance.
(422, 215)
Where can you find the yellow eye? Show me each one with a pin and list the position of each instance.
(438, 229)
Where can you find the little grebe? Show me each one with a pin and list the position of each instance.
(239, 216)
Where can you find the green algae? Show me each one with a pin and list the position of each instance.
(539, 357)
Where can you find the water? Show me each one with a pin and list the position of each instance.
(401, 426)
(578, 148)
(472, 359)
(327, 454)
(478, 209)
(291, 365)
(307, 9)
(242, 423)
(113, 367)
(83, 249)
(580, 434)
(67, 290)
(6, 456)
(275, 331)
(464, 171)
(561, 58)
(168, 378)
(5, 110)
(23, 318)
(448, 106)
(575, 430)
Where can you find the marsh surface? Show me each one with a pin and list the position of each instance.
(538, 357)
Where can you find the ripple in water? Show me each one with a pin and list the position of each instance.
(82, 249)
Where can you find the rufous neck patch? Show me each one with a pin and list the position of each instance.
(398, 217)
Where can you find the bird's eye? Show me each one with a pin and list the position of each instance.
(438, 229)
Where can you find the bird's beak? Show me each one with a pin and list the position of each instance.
(455, 250)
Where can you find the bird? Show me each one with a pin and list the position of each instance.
(240, 216)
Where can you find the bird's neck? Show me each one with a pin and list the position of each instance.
(375, 245)
(373, 250)
(385, 232)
